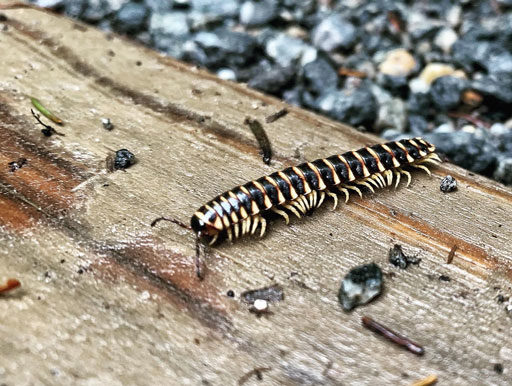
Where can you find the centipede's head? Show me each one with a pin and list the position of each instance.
(204, 223)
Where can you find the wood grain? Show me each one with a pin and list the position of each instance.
(106, 299)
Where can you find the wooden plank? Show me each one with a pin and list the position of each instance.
(107, 299)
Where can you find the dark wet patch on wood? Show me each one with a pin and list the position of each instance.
(167, 273)
(44, 185)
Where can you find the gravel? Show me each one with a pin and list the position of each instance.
(397, 69)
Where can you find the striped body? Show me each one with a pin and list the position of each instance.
(302, 188)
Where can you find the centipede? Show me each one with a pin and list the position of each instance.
(299, 190)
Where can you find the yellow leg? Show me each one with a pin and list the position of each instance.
(255, 224)
(299, 205)
(282, 213)
(380, 179)
(364, 183)
(214, 239)
(292, 209)
(408, 176)
(347, 194)
(424, 168)
(374, 181)
(397, 174)
(335, 198)
(305, 202)
(237, 230)
(389, 175)
(354, 188)
(263, 226)
(321, 200)
(230, 234)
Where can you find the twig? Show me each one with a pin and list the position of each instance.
(9, 285)
(274, 117)
(261, 137)
(392, 336)
(451, 255)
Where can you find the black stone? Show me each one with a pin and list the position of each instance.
(360, 286)
(131, 18)
(445, 92)
(274, 80)
(123, 159)
(448, 184)
(320, 76)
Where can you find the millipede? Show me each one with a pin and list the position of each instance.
(300, 189)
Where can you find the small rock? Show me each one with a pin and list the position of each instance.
(445, 39)
(221, 48)
(284, 49)
(398, 258)
(354, 107)
(226, 74)
(131, 18)
(446, 91)
(432, 71)
(257, 13)
(274, 80)
(319, 76)
(472, 151)
(445, 278)
(503, 172)
(360, 286)
(392, 114)
(49, 3)
(96, 10)
(224, 8)
(123, 159)
(334, 33)
(418, 125)
(107, 124)
(273, 293)
(398, 62)
(169, 23)
(497, 88)
(260, 305)
(448, 184)
(75, 8)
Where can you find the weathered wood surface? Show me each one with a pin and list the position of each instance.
(107, 299)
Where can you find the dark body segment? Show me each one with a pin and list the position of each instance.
(243, 198)
(325, 172)
(411, 149)
(257, 195)
(385, 157)
(310, 175)
(355, 164)
(369, 161)
(296, 180)
(339, 167)
(270, 190)
(284, 186)
(400, 155)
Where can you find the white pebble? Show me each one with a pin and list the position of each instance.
(260, 305)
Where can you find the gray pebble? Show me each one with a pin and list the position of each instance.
(448, 184)
(360, 286)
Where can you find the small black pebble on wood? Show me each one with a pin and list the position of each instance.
(360, 286)
(107, 124)
(15, 165)
(123, 159)
(444, 278)
(448, 184)
(398, 258)
(231, 294)
(498, 368)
